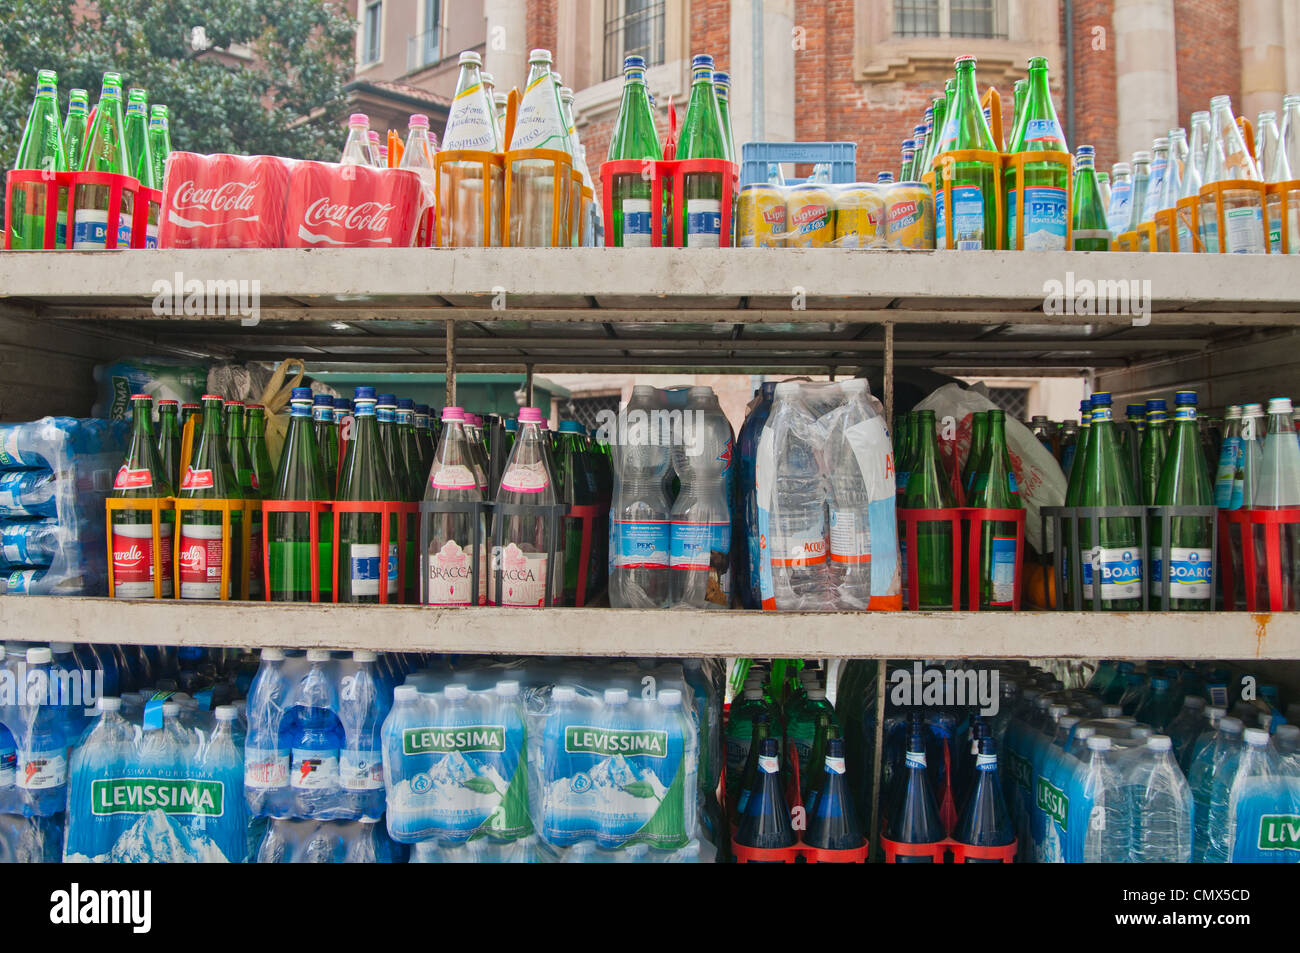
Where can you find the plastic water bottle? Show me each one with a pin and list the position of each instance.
(42, 747)
(1214, 714)
(1212, 775)
(1065, 773)
(316, 739)
(1103, 808)
(745, 532)
(361, 714)
(1046, 799)
(266, 748)
(1186, 727)
(1160, 803)
(700, 536)
(639, 534)
(790, 449)
(1258, 760)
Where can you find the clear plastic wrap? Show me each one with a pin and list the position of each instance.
(162, 378)
(55, 474)
(289, 841)
(30, 840)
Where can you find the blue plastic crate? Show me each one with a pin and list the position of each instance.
(842, 157)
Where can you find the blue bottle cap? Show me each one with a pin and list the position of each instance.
(721, 78)
(342, 403)
(1133, 410)
(364, 393)
(1155, 405)
(406, 403)
(702, 61)
(300, 393)
(835, 747)
(422, 409)
(570, 426)
(512, 425)
(388, 400)
(633, 62)
(1185, 397)
(1085, 151)
(1101, 400)
(320, 400)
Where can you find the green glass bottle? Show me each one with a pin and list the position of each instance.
(407, 452)
(701, 138)
(41, 147)
(209, 477)
(907, 442)
(263, 472)
(169, 440)
(1021, 94)
(160, 142)
(825, 729)
(1073, 467)
(974, 211)
(325, 435)
(927, 488)
(386, 421)
(937, 111)
(241, 462)
(634, 137)
(142, 475)
(300, 478)
(1115, 560)
(139, 155)
(722, 90)
(189, 410)
(1155, 440)
(105, 151)
(1184, 481)
(365, 477)
(74, 126)
(979, 437)
(1045, 183)
(994, 487)
(1088, 231)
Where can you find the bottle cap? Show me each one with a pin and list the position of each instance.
(374, 136)
(721, 78)
(633, 63)
(364, 655)
(701, 60)
(453, 413)
(418, 121)
(530, 415)
(318, 655)
(404, 693)
(670, 698)
(358, 119)
(386, 400)
(226, 712)
(563, 693)
(1084, 732)
(1057, 711)
(1253, 736)
(539, 56)
(1160, 684)
(272, 655)
(616, 696)
(364, 393)
(817, 694)
(322, 400)
(1185, 398)
(1098, 743)
(1141, 156)
(109, 704)
(39, 656)
(1279, 405)
(171, 709)
(1194, 701)
(1287, 731)
(472, 58)
(1231, 725)
(1160, 743)
(60, 648)
(1101, 399)
(1085, 151)
(456, 692)
(752, 694)
(570, 426)
(1217, 101)
(507, 688)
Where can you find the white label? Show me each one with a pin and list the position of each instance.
(265, 768)
(637, 224)
(703, 223)
(313, 770)
(523, 576)
(361, 770)
(455, 477)
(468, 126)
(1245, 230)
(451, 575)
(41, 770)
(844, 538)
(1121, 572)
(538, 125)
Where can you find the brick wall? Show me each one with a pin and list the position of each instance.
(1094, 80)
(1209, 63)
(711, 31)
(541, 24)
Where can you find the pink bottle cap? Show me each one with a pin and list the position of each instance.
(530, 415)
(358, 119)
(453, 413)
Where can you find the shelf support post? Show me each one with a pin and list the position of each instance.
(877, 755)
(451, 364)
(889, 374)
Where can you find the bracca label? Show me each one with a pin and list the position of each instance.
(584, 739)
(462, 738)
(169, 795)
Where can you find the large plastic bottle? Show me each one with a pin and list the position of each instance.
(1187, 726)
(316, 740)
(1161, 804)
(524, 557)
(700, 535)
(1258, 767)
(639, 534)
(745, 508)
(792, 505)
(1211, 781)
(361, 714)
(42, 744)
(1102, 809)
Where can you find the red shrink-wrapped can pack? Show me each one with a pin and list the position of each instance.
(351, 206)
(223, 201)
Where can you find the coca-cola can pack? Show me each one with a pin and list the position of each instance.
(223, 201)
(351, 206)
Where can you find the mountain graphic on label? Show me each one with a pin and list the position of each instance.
(514, 558)
(451, 556)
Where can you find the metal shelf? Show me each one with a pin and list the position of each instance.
(629, 632)
(647, 309)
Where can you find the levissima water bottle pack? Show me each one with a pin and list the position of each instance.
(54, 476)
(547, 760)
(824, 501)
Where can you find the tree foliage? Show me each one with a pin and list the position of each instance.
(286, 98)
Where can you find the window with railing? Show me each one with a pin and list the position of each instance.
(633, 28)
(976, 19)
(372, 31)
(425, 49)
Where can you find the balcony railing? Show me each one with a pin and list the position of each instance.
(423, 49)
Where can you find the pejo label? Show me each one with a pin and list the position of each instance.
(172, 796)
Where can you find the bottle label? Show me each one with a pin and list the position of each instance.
(523, 576)
(133, 564)
(361, 770)
(967, 218)
(525, 479)
(1190, 572)
(455, 477)
(128, 479)
(1045, 219)
(200, 567)
(1002, 569)
(468, 126)
(696, 545)
(1120, 570)
(1244, 230)
(637, 225)
(451, 578)
(703, 223)
(810, 219)
(1117, 216)
(90, 233)
(365, 572)
(844, 539)
(986, 762)
(768, 764)
(1230, 458)
(197, 479)
(801, 548)
(1038, 129)
(8, 767)
(313, 770)
(265, 768)
(834, 765)
(915, 759)
(640, 544)
(42, 770)
(539, 125)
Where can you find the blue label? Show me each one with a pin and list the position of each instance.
(1225, 478)
(1002, 569)
(693, 544)
(1121, 574)
(967, 219)
(639, 544)
(1036, 129)
(1190, 572)
(1121, 194)
(96, 233)
(638, 223)
(703, 222)
(1045, 219)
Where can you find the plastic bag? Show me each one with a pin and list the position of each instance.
(1038, 475)
(162, 378)
(253, 383)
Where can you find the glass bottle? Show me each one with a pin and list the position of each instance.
(1045, 182)
(1184, 481)
(974, 212)
(300, 478)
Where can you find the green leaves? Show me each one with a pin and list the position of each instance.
(639, 789)
(480, 785)
(270, 79)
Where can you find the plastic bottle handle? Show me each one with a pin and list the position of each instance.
(993, 100)
(1248, 133)
(512, 110)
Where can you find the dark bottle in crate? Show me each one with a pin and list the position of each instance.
(766, 821)
(985, 820)
(993, 486)
(928, 488)
(1184, 481)
(365, 478)
(299, 479)
(914, 818)
(209, 477)
(1114, 560)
